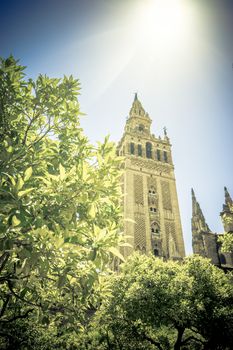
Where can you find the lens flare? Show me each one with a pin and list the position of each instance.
(163, 24)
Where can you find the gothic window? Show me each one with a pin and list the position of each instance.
(148, 150)
(222, 258)
(155, 229)
(156, 252)
(158, 155)
(132, 148)
(165, 156)
(140, 150)
(152, 198)
(152, 191)
(153, 210)
(141, 249)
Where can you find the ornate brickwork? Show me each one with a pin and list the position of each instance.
(151, 165)
(166, 195)
(151, 182)
(171, 239)
(138, 189)
(140, 232)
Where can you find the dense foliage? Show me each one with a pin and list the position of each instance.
(59, 204)
(167, 305)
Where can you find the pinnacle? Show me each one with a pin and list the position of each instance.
(197, 212)
(228, 199)
(137, 109)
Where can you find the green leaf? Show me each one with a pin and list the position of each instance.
(92, 211)
(24, 292)
(25, 192)
(28, 173)
(15, 221)
(116, 252)
(20, 183)
(62, 172)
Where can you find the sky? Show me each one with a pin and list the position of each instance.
(178, 57)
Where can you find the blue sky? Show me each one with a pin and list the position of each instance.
(185, 86)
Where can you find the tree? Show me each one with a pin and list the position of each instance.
(59, 203)
(168, 305)
(226, 241)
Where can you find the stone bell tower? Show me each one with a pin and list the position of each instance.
(151, 210)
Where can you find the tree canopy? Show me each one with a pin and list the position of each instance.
(167, 305)
(59, 203)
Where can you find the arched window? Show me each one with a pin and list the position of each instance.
(156, 252)
(155, 229)
(140, 150)
(158, 155)
(143, 250)
(165, 156)
(148, 150)
(152, 197)
(132, 148)
(152, 191)
(140, 127)
(222, 258)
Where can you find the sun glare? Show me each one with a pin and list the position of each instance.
(164, 24)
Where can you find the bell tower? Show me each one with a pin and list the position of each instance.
(151, 210)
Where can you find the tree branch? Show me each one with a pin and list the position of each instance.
(152, 341)
(3, 260)
(20, 298)
(17, 317)
(4, 305)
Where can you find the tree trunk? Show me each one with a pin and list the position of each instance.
(178, 342)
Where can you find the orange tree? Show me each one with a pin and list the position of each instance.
(154, 304)
(59, 203)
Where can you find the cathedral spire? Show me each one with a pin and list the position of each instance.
(228, 200)
(227, 213)
(199, 228)
(198, 220)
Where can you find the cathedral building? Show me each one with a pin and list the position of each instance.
(151, 210)
(204, 241)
